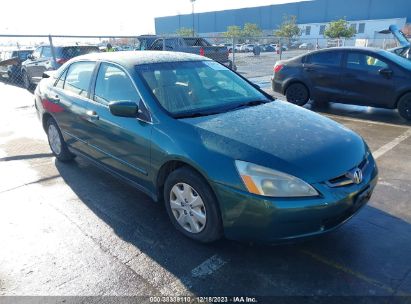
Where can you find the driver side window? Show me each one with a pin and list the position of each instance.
(113, 84)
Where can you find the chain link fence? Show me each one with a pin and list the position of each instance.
(23, 59)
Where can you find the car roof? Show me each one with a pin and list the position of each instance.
(132, 58)
(69, 45)
(350, 48)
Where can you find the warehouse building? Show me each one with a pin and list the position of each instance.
(367, 16)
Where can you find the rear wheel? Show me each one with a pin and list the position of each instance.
(404, 106)
(56, 141)
(298, 94)
(192, 206)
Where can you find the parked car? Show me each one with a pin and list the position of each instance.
(306, 46)
(267, 48)
(238, 47)
(41, 60)
(10, 63)
(246, 48)
(361, 76)
(206, 142)
(194, 45)
(283, 48)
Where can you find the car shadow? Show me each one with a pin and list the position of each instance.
(15, 83)
(359, 112)
(360, 258)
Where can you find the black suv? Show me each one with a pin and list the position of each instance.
(42, 60)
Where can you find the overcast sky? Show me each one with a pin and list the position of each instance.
(94, 17)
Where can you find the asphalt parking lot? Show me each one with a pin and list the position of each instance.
(70, 229)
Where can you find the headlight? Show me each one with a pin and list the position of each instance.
(269, 182)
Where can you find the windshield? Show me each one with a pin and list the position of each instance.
(22, 54)
(197, 88)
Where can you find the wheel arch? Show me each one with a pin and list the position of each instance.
(401, 95)
(170, 166)
(44, 119)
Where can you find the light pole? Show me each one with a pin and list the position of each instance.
(192, 12)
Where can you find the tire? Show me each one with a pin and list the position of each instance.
(56, 142)
(404, 106)
(26, 80)
(192, 206)
(298, 94)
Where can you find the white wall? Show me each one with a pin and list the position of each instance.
(371, 29)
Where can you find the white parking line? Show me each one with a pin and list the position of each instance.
(332, 116)
(392, 144)
(208, 266)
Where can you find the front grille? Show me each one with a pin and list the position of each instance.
(344, 180)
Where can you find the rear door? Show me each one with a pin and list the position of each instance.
(121, 143)
(68, 101)
(322, 72)
(363, 82)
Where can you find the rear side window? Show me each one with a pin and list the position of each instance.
(326, 58)
(60, 82)
(78, 78)
(113, 84)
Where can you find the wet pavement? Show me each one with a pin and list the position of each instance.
(71, 229)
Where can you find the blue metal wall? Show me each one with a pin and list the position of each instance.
(269, 17)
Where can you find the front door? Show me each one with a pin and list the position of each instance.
(364, 82)
(122, 143)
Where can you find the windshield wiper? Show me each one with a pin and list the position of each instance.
(196, 114)
(252, 103)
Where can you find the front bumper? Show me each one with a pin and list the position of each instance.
(250, 217)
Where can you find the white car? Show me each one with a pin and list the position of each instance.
(247, 48)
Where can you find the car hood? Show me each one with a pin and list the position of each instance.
(284, 137)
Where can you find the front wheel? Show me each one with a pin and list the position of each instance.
(57, 144)
(404, 106)
(298, 94)
(192, 206)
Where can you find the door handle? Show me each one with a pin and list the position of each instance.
(309, 69)
(55, 99)
(92, 116)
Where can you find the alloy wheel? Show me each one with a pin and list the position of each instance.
(54, 139)
(188, 208)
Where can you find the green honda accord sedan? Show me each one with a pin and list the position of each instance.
(225, 157)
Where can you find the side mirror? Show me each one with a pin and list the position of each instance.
(31, 57)
(387, 73)
(123, 108)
